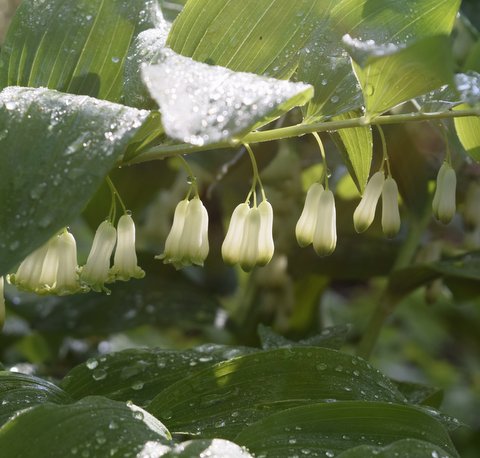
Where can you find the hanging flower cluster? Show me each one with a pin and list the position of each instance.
(53, 268)
(249, 240)
(365, 212)
(187, 242)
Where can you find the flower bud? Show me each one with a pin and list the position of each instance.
(125, 258)
(67, 273)
(444, 199)
(250, 242)
(232, 245)
(266, 246)
(95, 272)
(365, 212)
(325, 236)
(28, 274)
(308, 220)
(390, 212)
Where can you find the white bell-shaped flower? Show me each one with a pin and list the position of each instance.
(365, 212)
(125, 259)
(249, 239)
(390, 212)
(2, 304)
(325, 235)
(305, 228)
(95, 273)
(232, 245)
(187, 242)
(28, 273)
(443, 204)
(66, 281)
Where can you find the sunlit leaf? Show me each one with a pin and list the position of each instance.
(55, 150)
(95, 426)
(391, 74)
(203, 104)
(329, 428)
(219, 401)
(468, 131)
(85, 57)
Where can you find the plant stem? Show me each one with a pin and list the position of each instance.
(163, 151)
(388, 301)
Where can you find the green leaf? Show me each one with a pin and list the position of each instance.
(20, 391)
(207, 447)
(329, 428)
(165, 298)
(417, 393)
(204, 104)
(263, 37)
(220, 400)
(85, 57)
(94, 426)
(332, 337)
(391, 74)
(357, 150)
(468, 131)
(55, 150)
(140, 374)
(406, 448)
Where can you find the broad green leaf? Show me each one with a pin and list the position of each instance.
(146, 49)
(55, 150)
(202, 104)
(207, 447)
(357, 150)
(20, 391)
(333, 337)
(220, 400)
(468, 131)
(140, 374)
(421, 394)
(263, 37)
(78, 47)
(325, 63)
(405, 448)
(329, 428)
(391, 74)
(94, 426)
(165, 298)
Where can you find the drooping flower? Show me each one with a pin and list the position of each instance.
(125, 264)
(187, 242)
(95, 273)
(51, 269)
(443, 204)
(390, 213)
(305, 228)
(365, 212)
(249, 240)
(325, 236)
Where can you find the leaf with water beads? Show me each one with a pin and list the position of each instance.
(55, 151)
(92, 427)
(202, 104)
(220, 400)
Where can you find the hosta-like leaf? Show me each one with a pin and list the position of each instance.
(20, 391)
(468, 131)
(94, 427)
(78, 47)
(329, 428)
(203, 104)
(406, 448)
(391, 74)
(55, 150)
(357, 150)
(140, 374)
(219, 401)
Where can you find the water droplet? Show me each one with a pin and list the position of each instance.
(115, 60)
(321, 366)
(369, 90)
(137, 386)
(92, 363)
(113, 425)
(99, 374)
